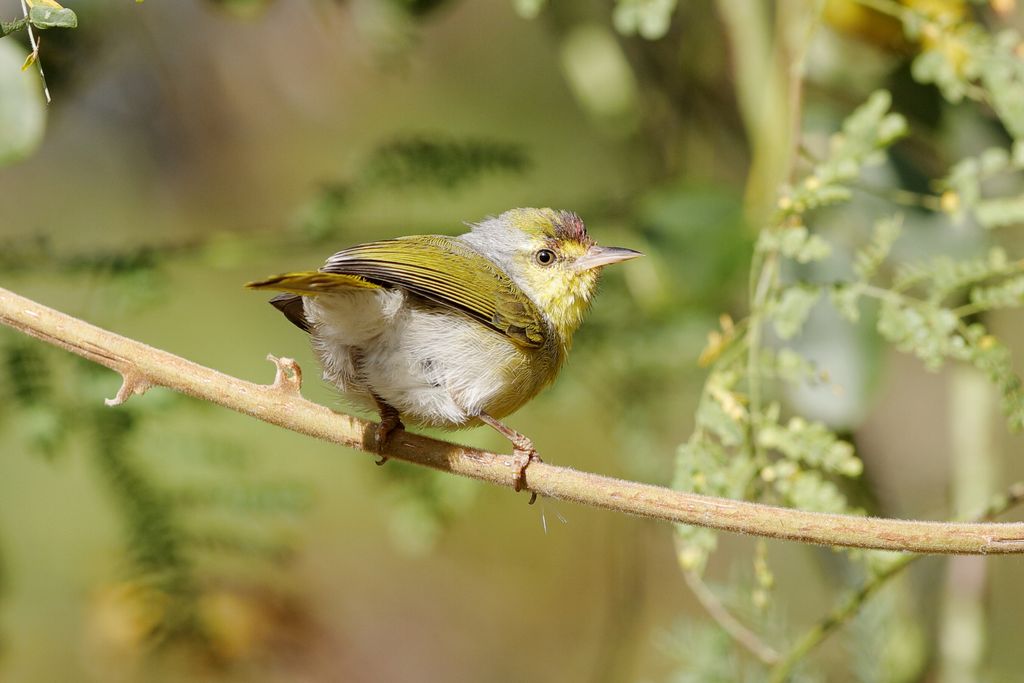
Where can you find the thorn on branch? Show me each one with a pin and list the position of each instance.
(288, 376)
(132, 384)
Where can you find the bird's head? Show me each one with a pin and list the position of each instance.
(549, 254)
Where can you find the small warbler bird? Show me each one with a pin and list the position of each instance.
(450, 331)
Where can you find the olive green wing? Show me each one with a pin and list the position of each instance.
(449, 273)
(311, 282)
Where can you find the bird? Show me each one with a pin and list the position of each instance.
(450, 331)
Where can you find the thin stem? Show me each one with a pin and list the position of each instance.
(975, 307)
(889, 295)
(896, 296)
(970, 309)
(904, 197)
(729, 623)
(282, 404)
(759, 299)
(851, 604)
(33, 40)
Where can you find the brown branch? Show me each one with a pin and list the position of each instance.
(282, 404)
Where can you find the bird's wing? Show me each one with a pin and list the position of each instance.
(311, 282)
(449, 273)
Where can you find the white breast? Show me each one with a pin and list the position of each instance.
(437, 368)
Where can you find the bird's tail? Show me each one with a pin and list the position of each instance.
(312, 282)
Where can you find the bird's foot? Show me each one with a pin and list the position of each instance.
(525, 452)
(390, 422)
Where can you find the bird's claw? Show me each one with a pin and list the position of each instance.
(525, 453)
(386, 429)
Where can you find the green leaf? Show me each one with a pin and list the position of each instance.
(949, 276)
(1002, 74)
(43, 17)
(845, 299)
(9, 27)
(22, 112)
(998, 213)
(790, 311)
(869, 259)
(795, 242)
(927, 331)
(965, 180)
(990, 356)
(789, 366)
(954, 60)
(713, 417)
(868, 129)
(809, 490)
(1007, 294)
(810, 443)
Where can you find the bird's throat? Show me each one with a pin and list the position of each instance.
(566, 303)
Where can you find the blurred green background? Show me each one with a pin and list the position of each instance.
(193, 146)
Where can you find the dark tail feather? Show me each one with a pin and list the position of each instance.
(291, 306)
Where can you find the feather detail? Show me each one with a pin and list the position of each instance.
(312, 282)
(291, 306)
(447, 272)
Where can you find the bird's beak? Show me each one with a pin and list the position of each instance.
(596, 256)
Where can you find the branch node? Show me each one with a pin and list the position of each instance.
(288, 376)
(132, 384)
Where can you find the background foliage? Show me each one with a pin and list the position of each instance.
(828, 193)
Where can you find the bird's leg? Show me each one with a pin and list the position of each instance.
(390, 420)
(522, 447)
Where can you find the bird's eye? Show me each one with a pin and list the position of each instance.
(545, 257)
